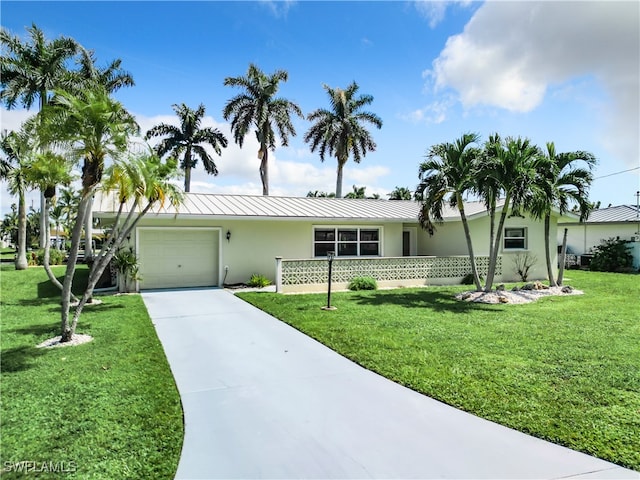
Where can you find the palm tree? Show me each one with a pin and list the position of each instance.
(341, 130)
(31, 70)
(9, 226)
(400, 193)
(188, 140)
(68, 202)
(317, 193)
(18, 151)
(57, 217)
(257, 106)
(112, 77)
(563, 183)
(46, 172)
(93, 127)
(357, 192)
(512, 170)
(445, 177)
(140, 182)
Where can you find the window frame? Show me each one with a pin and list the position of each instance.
(524, 238)
(337, 242)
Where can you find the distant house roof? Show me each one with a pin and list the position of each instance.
(311, 208)
(617, 214)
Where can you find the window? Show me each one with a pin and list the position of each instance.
(515, 238)
(347, 242)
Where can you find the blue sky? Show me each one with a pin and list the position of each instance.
(566, 72)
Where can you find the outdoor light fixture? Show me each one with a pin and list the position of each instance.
(330, 255)
(228, 235)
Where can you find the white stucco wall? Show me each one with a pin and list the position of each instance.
(581, 238)
(449, 239)
(254, 244)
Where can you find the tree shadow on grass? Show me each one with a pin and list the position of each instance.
(46, 289)
(435, 301)
(47, 330)
(18, 359)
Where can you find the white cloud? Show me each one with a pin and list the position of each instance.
(434, 11)
(238, 167)
(279, 8)
(511, 53)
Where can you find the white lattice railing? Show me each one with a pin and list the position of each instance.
(315, 271)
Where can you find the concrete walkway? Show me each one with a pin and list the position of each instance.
(262, 400)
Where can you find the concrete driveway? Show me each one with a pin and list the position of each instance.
(262, 400)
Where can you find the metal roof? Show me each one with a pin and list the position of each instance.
(268, 207)
(620, 213)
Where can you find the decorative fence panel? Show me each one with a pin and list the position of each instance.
(315, 271)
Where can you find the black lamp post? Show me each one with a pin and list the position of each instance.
(330, 255)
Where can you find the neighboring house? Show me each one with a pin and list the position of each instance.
(620, 222)
(211, 240)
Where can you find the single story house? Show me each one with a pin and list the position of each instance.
(619, 222)
(215, 240)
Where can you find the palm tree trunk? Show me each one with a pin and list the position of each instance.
(341, 163)
(47, 252)
(264, 169)
(88, 232)
(187, 179)
(492, 227)
(563, 255)
(467, 234)
(547, 249)
(493, 260)
(66, 330)
(21, 255)
(44, 226)
(187, 170)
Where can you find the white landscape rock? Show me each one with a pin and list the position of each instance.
(519, 296)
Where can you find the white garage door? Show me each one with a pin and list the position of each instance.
(176, 258)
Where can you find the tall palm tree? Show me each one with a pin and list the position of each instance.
(562, 185)
(92, 127)
(18, 151)
(341, 129)
(31, 70)
(448, 173)
(513, 170)
(112, 77)
(258, 107)
(487, 185)
(188, 141)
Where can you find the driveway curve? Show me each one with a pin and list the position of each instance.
(262, 400)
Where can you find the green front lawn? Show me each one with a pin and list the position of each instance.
(566, 369)
(106, 409)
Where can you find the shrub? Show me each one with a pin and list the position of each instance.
(258, 281)
(612, 255)
(126, 263)
(523, 263)
(56, 257)
(468, 279)
(363, 283)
